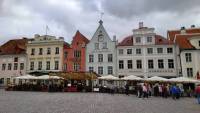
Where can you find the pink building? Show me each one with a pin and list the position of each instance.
(74, 54)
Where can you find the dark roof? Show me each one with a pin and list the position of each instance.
(15, 46)
(127, 41)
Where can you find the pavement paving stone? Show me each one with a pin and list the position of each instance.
(44, 102)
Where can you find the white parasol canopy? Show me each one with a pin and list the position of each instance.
(46, 77)
(108, 77)
(26, 77)
(156, 78)
(131, 77)
(184, 79)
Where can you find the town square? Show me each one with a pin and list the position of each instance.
(37, 102)
(99, 56)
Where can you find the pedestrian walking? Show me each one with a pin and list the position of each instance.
(160, 89)
(178, 93)
(127, 89)
(156, 90)
(197, 91)
(145, 91)
(139, 90)
(173, 91)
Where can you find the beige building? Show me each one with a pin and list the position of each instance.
(45, 53)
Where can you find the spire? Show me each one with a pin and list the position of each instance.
(101, 16)
(100, 22)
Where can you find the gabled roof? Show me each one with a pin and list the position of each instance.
(15, 46)
(66, 45)
(171, 33)
(127, 41)
(183, 40)
(80, 37)
(102, 30)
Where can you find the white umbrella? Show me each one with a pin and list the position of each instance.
(46, 77)
(156, 78)
(131, 77)
(184, 79)
(26, 77)
(108, 77)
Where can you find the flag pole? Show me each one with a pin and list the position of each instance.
(46, 29)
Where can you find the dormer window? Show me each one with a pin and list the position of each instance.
(138, 39)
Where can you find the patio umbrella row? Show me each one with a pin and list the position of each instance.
(43, 77)
(151, 79)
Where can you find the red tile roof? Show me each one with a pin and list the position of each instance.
(171, 33)
(160, 40)
(183, 40)
(128, 41)
(81, 37)
(15, 46)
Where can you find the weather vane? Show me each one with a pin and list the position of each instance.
(101, 16)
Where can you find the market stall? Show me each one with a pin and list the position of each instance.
(77, 81)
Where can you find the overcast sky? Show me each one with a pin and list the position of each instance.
(28, 17)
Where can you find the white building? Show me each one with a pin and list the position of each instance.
(189, 44)
(147, 54)
(101, 52)
(13, 60)
(45, 53)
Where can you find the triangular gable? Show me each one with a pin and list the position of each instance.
(101, 27)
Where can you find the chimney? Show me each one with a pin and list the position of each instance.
(182, 30)
(192, 26)
(140, 25)
(61, 38)
(114, 38)
(37, 35)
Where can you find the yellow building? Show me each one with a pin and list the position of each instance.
(45, 54)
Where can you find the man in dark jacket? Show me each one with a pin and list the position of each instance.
(197, 91)
(127, 89)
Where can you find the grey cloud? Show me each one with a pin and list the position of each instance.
(27, 17)
(130, 8)
(89, 5)
(50, 12)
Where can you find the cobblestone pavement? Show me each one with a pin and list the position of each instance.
(43, 102)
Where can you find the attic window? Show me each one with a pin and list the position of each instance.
(100, 31)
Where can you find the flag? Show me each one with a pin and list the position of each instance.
(102, 13)
(47, 29)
